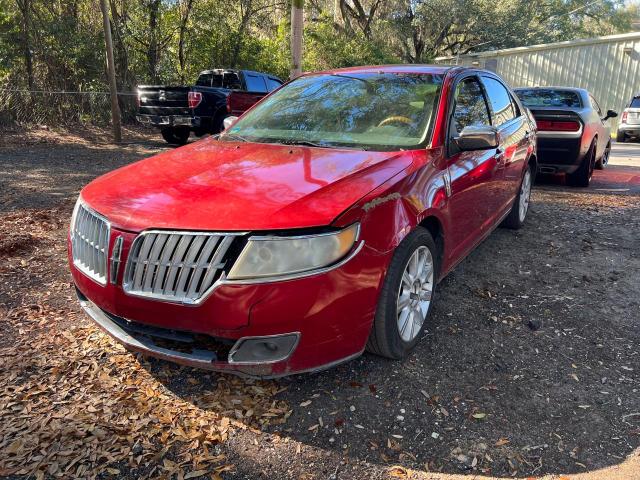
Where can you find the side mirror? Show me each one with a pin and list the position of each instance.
(228, 121)
(610, 114)
(477, 138)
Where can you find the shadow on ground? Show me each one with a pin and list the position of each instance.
(529, 366)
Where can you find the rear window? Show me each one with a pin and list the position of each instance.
(635, 103)
(539, 97)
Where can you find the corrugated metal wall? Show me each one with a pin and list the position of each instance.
(609, 67)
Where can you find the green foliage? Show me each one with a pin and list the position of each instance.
(171, 41)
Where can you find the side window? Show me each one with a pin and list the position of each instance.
(204, 80)
(500, 101)
(272, 83)
(255, 83)
(470, 106)
(595, 105)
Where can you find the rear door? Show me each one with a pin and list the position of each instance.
(473, 174)
(513, 129)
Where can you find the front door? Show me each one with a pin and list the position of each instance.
(474, 174)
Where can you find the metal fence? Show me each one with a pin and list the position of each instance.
(40, 107)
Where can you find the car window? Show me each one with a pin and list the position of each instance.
(255, 83)
(272, 83)
(595, 105)
(204, 80)
(470, 106)
(231, 81)
(370, 110)
(500, 101)
(635, 103)
(547, 97)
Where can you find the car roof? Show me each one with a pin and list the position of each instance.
(400, 68)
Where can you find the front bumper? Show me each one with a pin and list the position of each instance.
(330, 315)
(169, 120)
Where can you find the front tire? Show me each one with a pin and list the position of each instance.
(520, 207)
(582, 176)
(600, 164)
(176, 135)
(406, 298)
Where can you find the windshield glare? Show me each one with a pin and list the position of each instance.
(378, 111)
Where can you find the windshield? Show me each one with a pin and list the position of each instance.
(378, 111)
(538, 97)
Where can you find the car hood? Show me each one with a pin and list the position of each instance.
(228, 186)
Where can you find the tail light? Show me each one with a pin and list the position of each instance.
(558, 126)
(229, 103)
(194, 99)
(624, 117)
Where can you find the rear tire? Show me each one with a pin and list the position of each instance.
(600, 164)
(520, 207)
(406, 298)
(582, 176)
(176, 135)
(621, 137)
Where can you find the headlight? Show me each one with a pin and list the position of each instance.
(277, 256)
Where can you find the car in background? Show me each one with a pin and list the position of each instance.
(317, 225)
(629, 125)
(179, 110)
(573, 137)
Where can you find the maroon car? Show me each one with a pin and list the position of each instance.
(317, 225)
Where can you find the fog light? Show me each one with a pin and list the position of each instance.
(269, 349)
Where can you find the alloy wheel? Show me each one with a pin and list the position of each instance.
(414, 294)
(525, 195)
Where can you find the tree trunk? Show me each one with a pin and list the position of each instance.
(25, 10)
(297, 25)
(181, 38)
(152, 50)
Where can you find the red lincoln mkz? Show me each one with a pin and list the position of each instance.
(317, 226)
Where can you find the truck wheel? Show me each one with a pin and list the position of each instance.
(582, 176)
(406, 297)
(176, 135)
(600, 164)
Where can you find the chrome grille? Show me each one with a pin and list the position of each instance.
(175, 266)
(90, 243)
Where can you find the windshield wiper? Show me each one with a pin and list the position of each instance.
(305, 143)
(232, 136)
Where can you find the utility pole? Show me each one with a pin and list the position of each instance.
(297, 20)
(111, 70)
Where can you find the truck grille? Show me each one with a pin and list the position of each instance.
(175, 266)
(90, 243)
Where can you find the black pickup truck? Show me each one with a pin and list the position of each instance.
(177, 111)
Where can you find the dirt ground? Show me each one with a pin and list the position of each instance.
(530, 366)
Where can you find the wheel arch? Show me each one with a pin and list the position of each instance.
(435, 227)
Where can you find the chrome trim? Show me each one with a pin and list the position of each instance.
(116, 254)
(236, 347)
(99, 242)
(218, 250)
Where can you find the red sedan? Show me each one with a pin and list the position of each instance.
(317, 226)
